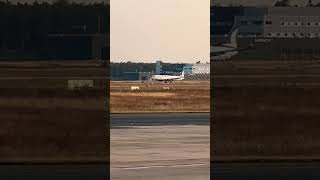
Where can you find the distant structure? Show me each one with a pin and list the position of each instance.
(175, 69)
(282, 3)
(168, 68)
(197, 68)
(59, 31)
(278, 33)
(134, 76)
(158, 67)
(143, 71)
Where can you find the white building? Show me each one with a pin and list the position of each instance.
(279, 22)
(297, 22)
(197, 69)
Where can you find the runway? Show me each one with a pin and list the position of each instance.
(160, 146)
(266, 171)
(172, 146)
(42, 83)
(192, 172)
(54, 172)
(159, 119)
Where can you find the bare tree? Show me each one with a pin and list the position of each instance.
(282, 3)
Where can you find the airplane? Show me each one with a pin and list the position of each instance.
(167, 78)
(227, 50)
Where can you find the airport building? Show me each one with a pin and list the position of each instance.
(66, 32)
(197, 69)
(293, 22)
(158, 67)
(284, 22)
(78, 47)
(176, 69)
(169, 68)
(134, 76)
(288, 33)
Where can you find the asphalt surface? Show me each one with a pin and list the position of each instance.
(160, 146)
(175, 172)
(266, 171)
(54, 172)
(195, 171)
(101, 171)
(159, 119)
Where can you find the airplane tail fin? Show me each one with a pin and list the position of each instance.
(182, 74)
(233, 39)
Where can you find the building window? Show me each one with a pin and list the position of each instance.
(268, 22)
(308, 23)
(257, 22)
(282, 23)
(244, 22)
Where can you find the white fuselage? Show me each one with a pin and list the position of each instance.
(226, 52)
(167, 77)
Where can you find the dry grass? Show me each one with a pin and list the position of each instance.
(141, 94)
(41, 120)
(266, 122)
(45, 103)
(266, 118)
(181, 96)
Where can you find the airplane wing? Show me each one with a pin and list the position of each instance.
(219, 44)
(231, 50)
(222, 52)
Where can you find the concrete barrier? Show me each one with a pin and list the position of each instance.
(77, 84)
(135, 88)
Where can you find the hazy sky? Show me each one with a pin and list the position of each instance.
(167, 30)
